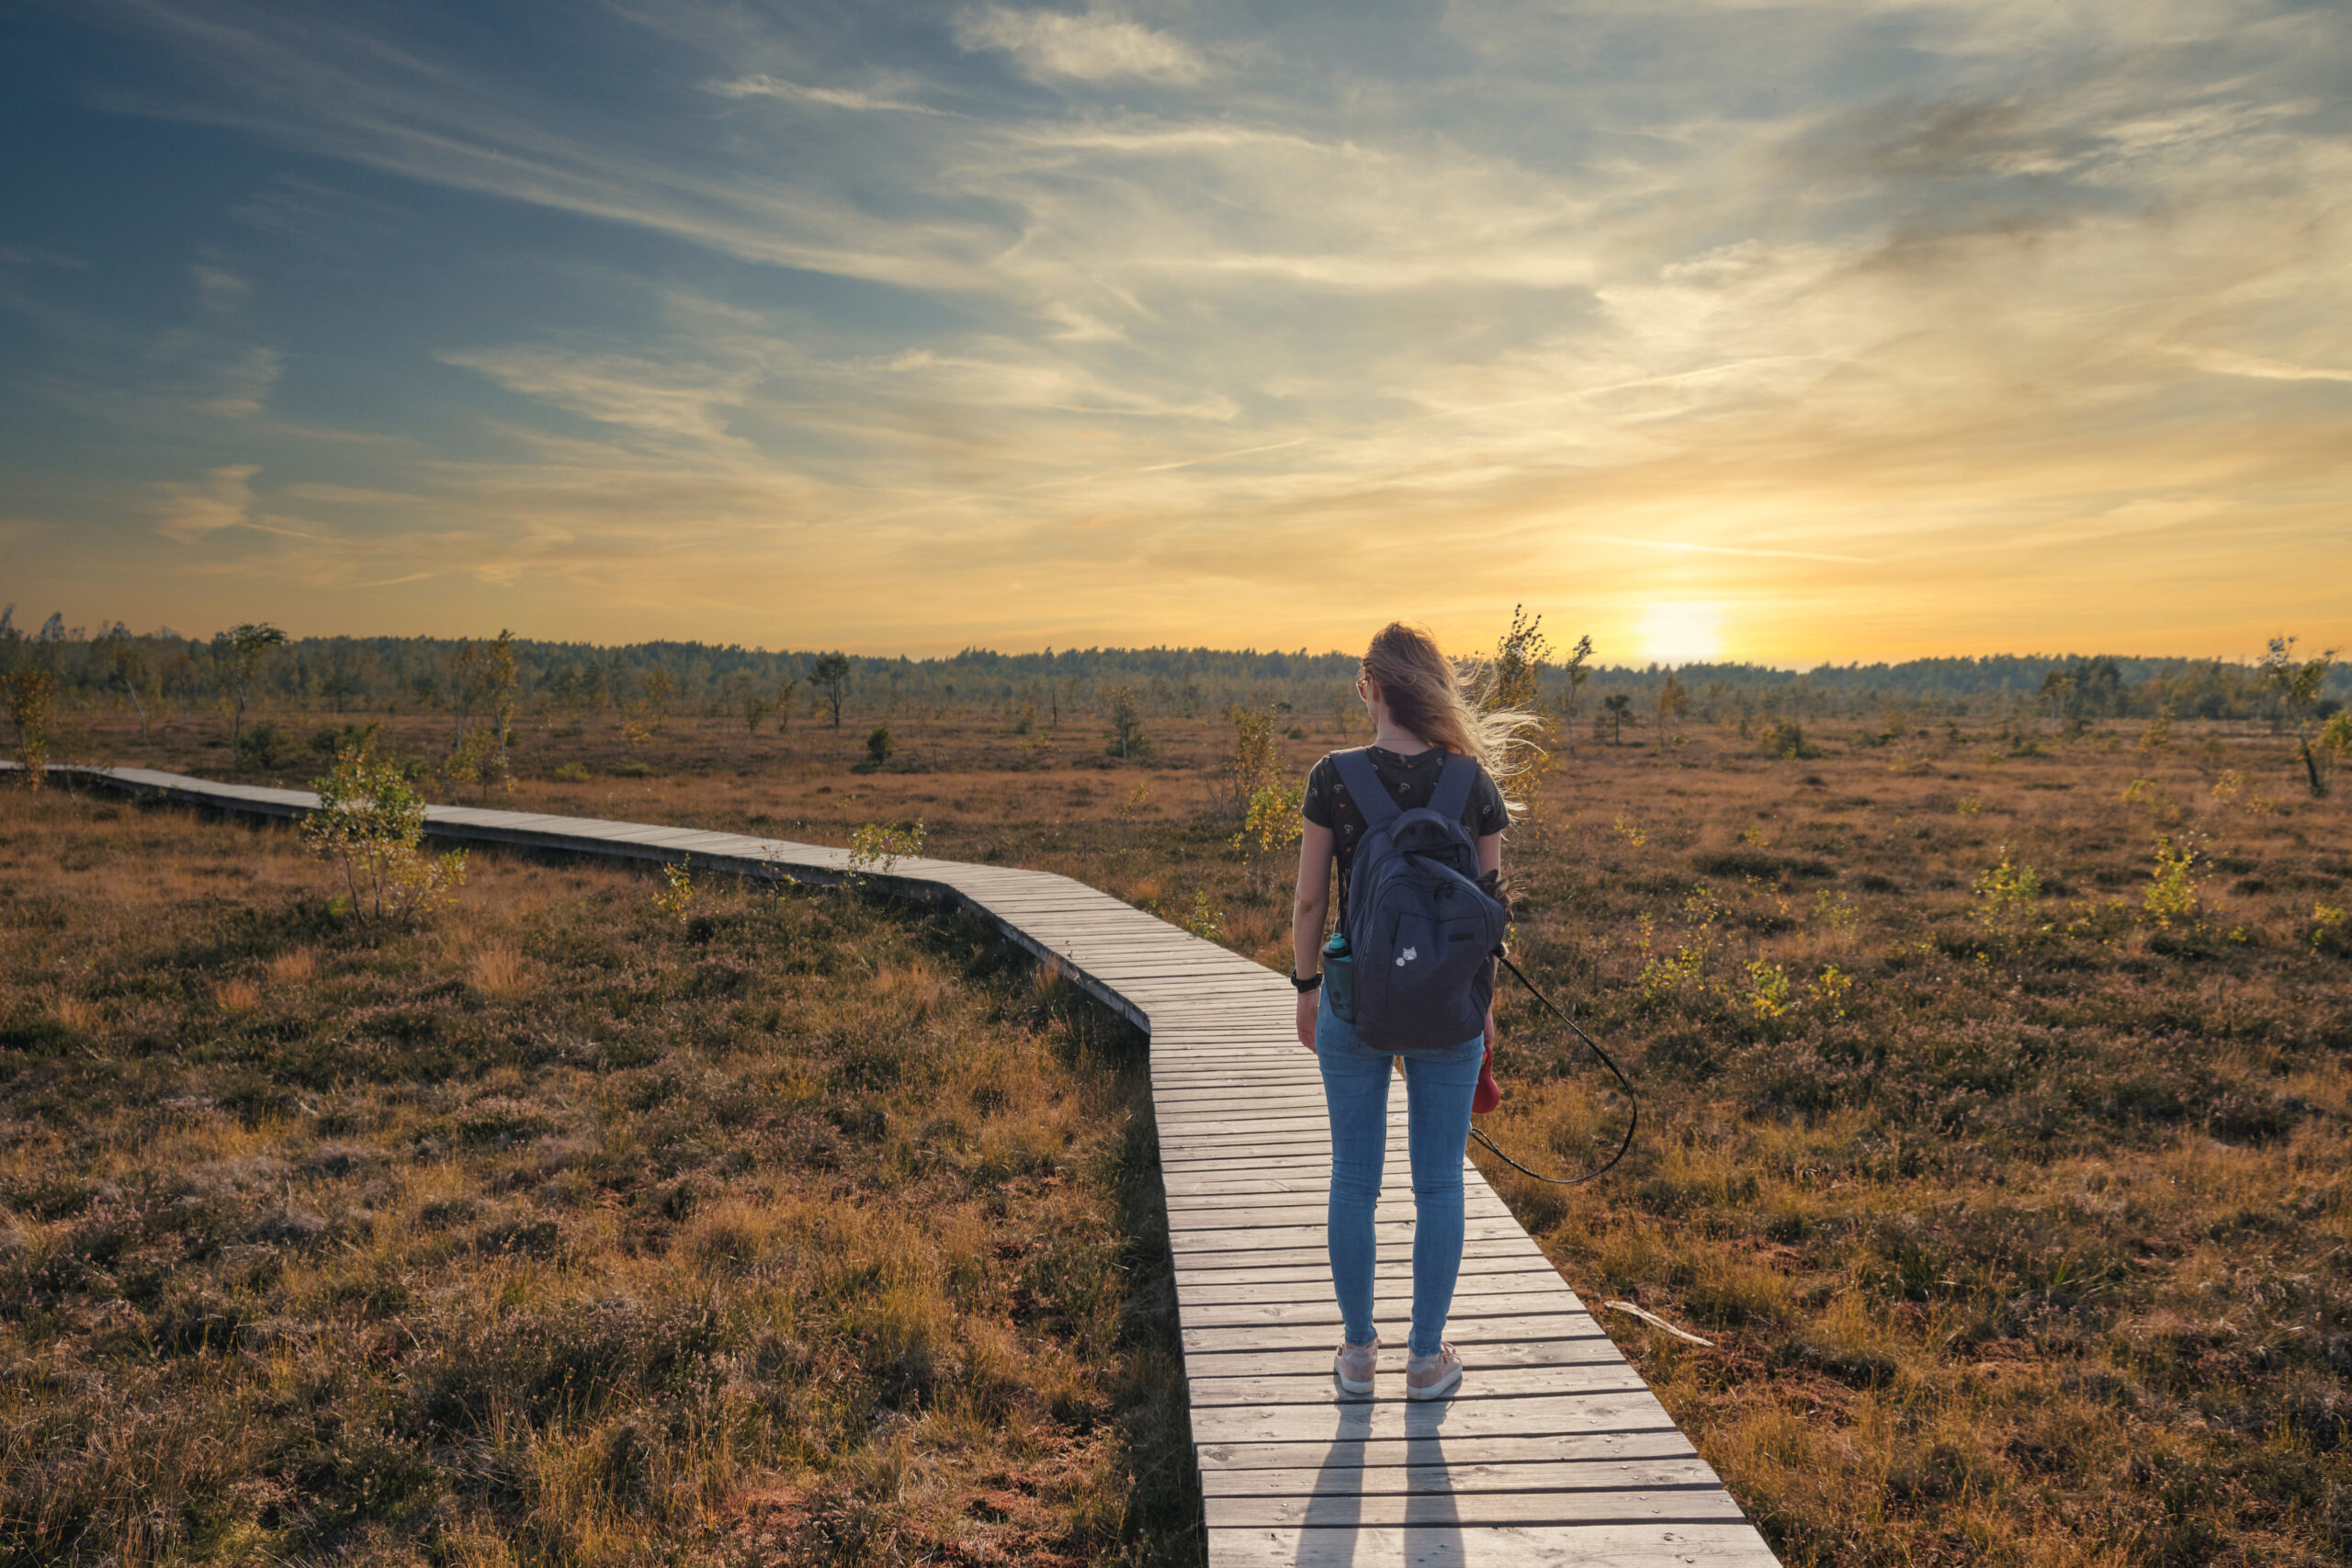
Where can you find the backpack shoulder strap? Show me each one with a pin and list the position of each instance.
(1452, 797)
(1371, 796)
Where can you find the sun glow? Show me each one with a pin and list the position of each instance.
(1679, 631)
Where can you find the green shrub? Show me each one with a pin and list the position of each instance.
(2172, 887)
(1785, 738)
(2005, 897)
(369, 821)
(267, 747)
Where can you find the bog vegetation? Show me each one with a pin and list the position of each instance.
(562, 1227)
(1993, 1046)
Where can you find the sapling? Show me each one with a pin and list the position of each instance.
(31, 696)
(369, 822)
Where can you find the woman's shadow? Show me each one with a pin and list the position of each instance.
(1392, 1444)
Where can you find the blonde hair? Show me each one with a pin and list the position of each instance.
(1425, 693)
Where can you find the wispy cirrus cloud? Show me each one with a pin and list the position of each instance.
(761, 85)
(1093, 47)
(191, 511)
(244, 384)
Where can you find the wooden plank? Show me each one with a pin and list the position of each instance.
(1291, 1150)
(1534, 1265)
(1274, 1059)
(1190, 1069)
(1285, 1068)
(1200, 1069)
(1304, 1088)
(1394, 1284)
(1225, 1159)
(1442, 1511)
(1255, 1239)
(1532, 1417)
(1311, 1283)
(1509, 1381)
(1306, 1331)
(1466, 1315)
(1247, 1184)
(1398, 1204)
(1648, 1545)
(1205, 1035)
(1315, 1360)
(1274, 1129)
(1232, 1467)
(1466, 1479)
(1395, 1253)
(1387, 1252)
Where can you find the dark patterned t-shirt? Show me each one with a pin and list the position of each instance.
(1411, 782)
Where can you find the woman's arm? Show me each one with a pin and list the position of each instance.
(1307, 908)
(1491, 858)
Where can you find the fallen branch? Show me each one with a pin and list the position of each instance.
(1656, 1322)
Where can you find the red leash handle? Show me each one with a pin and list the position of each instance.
(1488, 1094)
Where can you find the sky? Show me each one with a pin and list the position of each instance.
(1715, 329)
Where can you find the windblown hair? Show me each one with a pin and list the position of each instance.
(1439, 700)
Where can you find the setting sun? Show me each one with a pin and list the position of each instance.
(1679, 631)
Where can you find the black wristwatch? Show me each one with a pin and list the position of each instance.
(1312, 982)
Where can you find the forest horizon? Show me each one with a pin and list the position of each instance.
(415, 674)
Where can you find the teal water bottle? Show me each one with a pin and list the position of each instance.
(1339, 977)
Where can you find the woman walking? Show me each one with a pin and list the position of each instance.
(1420, 721)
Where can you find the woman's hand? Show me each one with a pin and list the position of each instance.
(1306, 911)
(1490, 1029)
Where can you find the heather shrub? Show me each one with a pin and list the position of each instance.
(558, 1231)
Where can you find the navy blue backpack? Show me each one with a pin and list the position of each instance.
(1419, 928)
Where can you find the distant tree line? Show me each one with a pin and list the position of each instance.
(231, 673)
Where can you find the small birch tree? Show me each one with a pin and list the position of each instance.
(238, 654)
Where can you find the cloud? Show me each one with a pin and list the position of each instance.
(1091, 47)
(1685, 547)
(191, 512)
(219, 292)
(641, 395)
(2224, 362)
(34, 255)
(351, 495)
(246, 385)
(761, 85)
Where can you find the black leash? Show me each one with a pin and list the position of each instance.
(1631, 1122)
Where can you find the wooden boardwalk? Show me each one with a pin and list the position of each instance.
(1555, 1452)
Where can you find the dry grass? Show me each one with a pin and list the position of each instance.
(2025, 1245)
(2024, 1249)
(495, 971)
(801, 1231)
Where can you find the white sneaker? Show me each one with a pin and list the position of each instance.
(1432, 1377)
(1354, 1365)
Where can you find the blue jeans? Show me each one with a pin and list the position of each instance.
(1438, 1086)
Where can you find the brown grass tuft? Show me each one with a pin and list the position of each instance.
(236, 996)
(76, 1013)
(495, 970)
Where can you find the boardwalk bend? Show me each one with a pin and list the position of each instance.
(1556, 1453)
